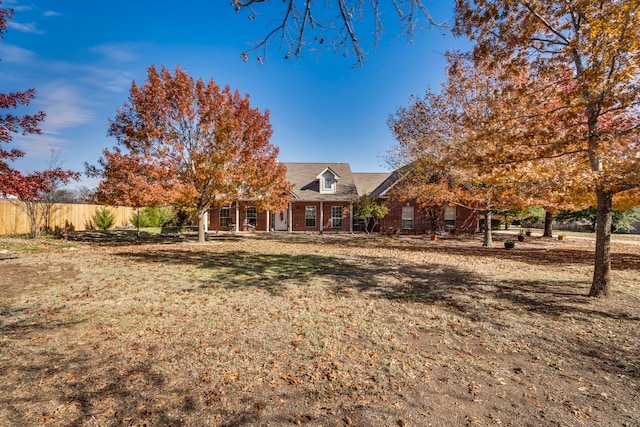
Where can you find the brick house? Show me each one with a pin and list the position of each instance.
(322, 200)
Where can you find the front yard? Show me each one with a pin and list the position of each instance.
(332, 330)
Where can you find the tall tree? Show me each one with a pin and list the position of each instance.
(205, 140)
(11, 180)
(435, 136)
(591, 49)
(311, 25)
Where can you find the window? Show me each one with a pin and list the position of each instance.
(252, 216)
(328, 183)
(407, 217)
(225, 217)
(310, 216)
(336, 216)
(450, 217)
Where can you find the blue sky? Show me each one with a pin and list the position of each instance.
(81, 57)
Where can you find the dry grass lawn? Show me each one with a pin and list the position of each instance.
(331, 330)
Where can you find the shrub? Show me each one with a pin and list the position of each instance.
(153, 217)
(103, 218)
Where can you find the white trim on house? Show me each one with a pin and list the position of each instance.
(327, 181)
(408, 217)
(337, 218)
(384, 193)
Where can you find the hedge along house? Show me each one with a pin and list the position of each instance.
(322, 200)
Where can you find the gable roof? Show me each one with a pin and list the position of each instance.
(368, 183)
(331, 171)
(392, 179)
(306, 186)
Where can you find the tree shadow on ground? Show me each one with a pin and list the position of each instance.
(378, 278)
(130, 237)
(131, 389)
(537, 251)
(456, 290)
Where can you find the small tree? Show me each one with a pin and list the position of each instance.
(103, 218)
(370, 210)
(30, 191)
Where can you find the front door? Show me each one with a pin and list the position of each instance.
(280, 220)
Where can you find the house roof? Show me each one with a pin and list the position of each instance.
(306, 186)
(368, 183)
(389, 182)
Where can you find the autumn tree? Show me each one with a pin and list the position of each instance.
(11, 180)
(424, 131)
(447, 164)
(589, 50)
(33, 189)
(205, 141)
(31, 194)
(312, 25)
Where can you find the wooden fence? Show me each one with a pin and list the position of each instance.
(14, 219)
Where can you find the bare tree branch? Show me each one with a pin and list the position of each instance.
(312, 25)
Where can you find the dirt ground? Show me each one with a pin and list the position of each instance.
(316, 330)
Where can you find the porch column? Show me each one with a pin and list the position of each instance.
(321, 216)
(237, 217)
(351, 218)
(206, 222)
(290, 218)
(268, 217)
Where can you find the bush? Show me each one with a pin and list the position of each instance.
(103, 218)
(153, 217)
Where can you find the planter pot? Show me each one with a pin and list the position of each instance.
(434, 237)
(520, 237)
(509, 245)
(561, 237)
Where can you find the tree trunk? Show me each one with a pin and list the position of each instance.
(201, 225)
(548, 223)
(601, 284)
(488, 241)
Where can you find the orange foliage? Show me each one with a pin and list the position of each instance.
(195, 144)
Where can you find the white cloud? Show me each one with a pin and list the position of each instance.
(22, 8)
(112, 80)
(14, 54)
(25, 28)
(66, 108)
(119, 52)
(50, 13)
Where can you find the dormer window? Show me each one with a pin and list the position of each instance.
(328, 181)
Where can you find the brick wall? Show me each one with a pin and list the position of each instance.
(466, 219)
(214, 218)
(299, 220)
